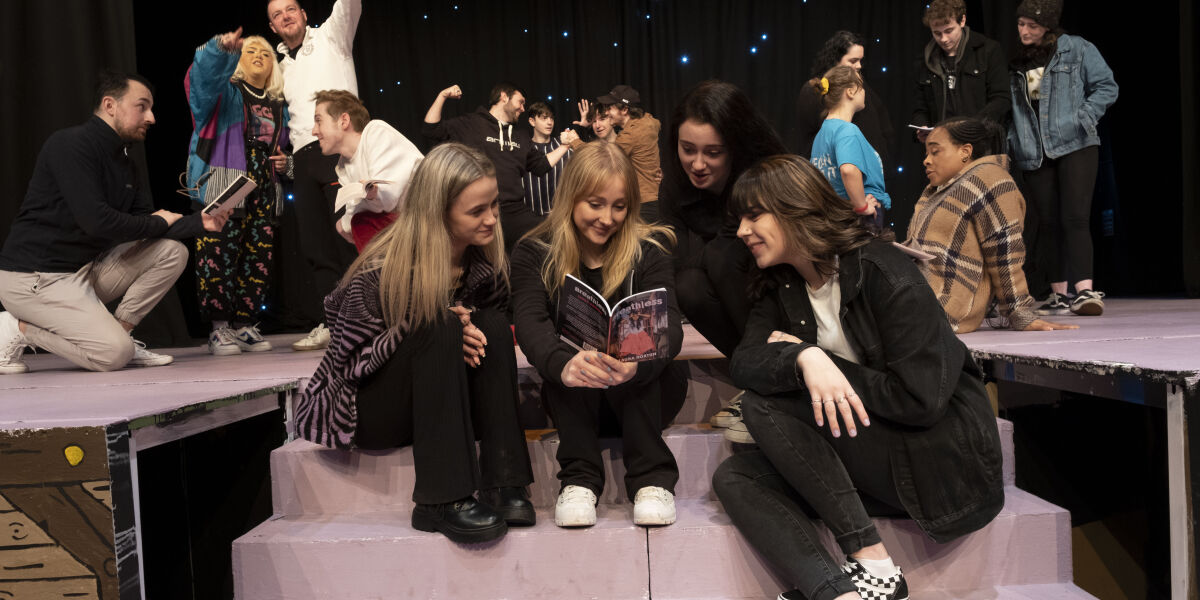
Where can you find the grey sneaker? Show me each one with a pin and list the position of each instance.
(248, 339)
(222, 343)
(730, 414)
(316, 339)
(145, 358)
(1055, 304)
(1088, 303)
(12, 345)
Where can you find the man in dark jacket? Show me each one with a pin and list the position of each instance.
(87, 233)
(961, 72)
(492, 131)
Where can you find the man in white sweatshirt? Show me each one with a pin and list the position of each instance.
(316, 58)
(374, 166)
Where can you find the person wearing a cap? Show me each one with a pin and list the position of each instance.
(961, 72)
(639, 140)
(1061, 86)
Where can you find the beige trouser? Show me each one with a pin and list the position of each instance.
(65, 313)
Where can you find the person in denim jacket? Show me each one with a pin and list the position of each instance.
(845, 328)
(1061, 86)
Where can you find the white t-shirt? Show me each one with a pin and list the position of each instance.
(826, 304)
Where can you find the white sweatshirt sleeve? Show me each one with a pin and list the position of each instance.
(342, 24)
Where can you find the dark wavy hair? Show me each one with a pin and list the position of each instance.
(746, 133)
(816, 223)
(833, 50)
(985, 136)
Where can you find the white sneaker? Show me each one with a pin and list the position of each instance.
(222, 343)
(576, 507)
(12, 345)
(316, 339)
(738, 433)
(653, 506)
(145, 358)
(248, 339)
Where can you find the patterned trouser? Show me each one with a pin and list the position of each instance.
(233, 266)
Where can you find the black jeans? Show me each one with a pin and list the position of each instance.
(801, 472)
(710, 286)
(1061, 193)
(315, 189)
(639, 412)
(427, 397)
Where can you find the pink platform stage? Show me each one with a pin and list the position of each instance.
(70, 444)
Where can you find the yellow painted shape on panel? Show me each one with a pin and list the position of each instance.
(74, 455)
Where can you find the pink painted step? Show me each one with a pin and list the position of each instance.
(307, 479)
(1023, 554)
(703, 556)
(379, 555)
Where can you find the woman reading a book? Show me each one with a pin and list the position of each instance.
(970, 218)
(861, 398)
(595, 234)
(235, 93)
(425, 296)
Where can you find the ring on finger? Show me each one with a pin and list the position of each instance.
(841, 400)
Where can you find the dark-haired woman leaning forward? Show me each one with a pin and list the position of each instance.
(861, 398)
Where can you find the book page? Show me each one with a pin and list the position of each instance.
(639, 327)
(231, 196)
(582, 316)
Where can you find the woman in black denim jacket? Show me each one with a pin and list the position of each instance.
(845, 327)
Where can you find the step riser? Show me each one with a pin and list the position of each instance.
(307, 479)
(535, 563)
(703, 555)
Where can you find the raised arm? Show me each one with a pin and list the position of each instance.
(342, 24)
(433, 127)
(208, 77)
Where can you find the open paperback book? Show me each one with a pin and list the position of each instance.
(632, 330)
(231, 197)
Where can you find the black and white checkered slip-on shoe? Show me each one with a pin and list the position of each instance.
(871, 587)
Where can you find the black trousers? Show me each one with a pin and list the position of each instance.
(1061, 193)
(639, 412)
(427, 397)
(315, 189)
(710, 286)
(516, 219)
(802, 472)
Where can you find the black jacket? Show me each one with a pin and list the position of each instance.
(510, 148)
(535, 312)
(85, 196)
(981, 83)
(915, 374)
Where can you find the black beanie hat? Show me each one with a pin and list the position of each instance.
(1045, 12)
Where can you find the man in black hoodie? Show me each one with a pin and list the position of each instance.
(492, 131)
(960, 73)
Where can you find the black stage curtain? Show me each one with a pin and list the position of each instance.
(408, 51)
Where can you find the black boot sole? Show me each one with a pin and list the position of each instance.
(521, 517)
(422, 522)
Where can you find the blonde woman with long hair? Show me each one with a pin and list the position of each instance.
(235, 93)
(425, 296)
(595, 232)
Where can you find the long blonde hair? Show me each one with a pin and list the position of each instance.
(413, 255)
(274, 86)
(592, 167)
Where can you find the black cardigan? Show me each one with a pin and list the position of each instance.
(915, 374)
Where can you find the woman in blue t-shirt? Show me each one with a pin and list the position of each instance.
(840, 151)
